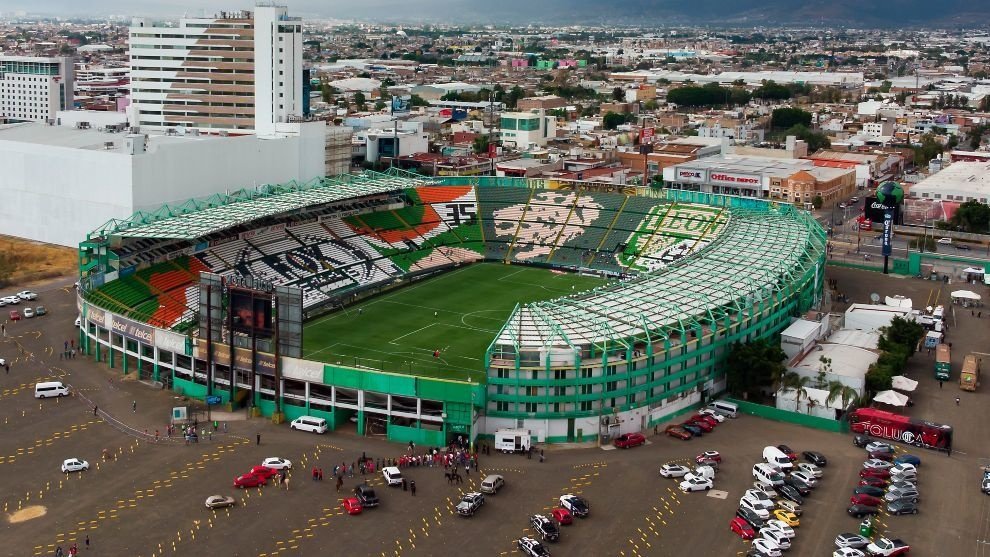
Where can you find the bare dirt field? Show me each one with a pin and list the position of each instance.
(24, 261)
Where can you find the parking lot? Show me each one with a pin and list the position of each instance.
(148, 499)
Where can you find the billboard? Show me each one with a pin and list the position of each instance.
(251, 312)
(874, 211)
(400, 104)
(888, 231)
(690, 175)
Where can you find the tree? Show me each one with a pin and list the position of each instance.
(513, 96)
(928, 150)
(844, 393)
(797, 383)
(480, 145)
(903, 333)
(612, 120)
(972, 216)
(618, 94)
(815, 140)
(784, 118)
(752, 366)
(327, 92)
(416, 100)
(360, 101)
(817, 202)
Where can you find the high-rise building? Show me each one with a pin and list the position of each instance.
(238, 73)
(33, 89)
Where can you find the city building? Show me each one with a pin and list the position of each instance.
(959, 181)
(546, 102)
(525, 130)
(33, 89)
(237, 73)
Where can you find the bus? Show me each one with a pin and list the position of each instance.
(943, 362)
(898, 427)
(969, 376)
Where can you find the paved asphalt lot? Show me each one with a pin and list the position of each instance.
(148, 500)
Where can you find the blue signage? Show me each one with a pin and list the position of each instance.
(888, 232)
(212, 399)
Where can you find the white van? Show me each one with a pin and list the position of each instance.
(767, 474)
(309, 423)
(724, 407)
(492, 484)
(512, 440)
(50, 389)
(776, 457)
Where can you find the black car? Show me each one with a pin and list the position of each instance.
(532, 548)
(800, 486)
(859, 511)
(870, 490)
(366, 495)
(902, 506)
(816, 458)
(861, 441)
(788, 492)
(751, 517)
(545, 527)
(963, 247)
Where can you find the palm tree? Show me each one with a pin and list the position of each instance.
(846, 394)
(791, 381)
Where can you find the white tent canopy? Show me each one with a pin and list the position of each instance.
(973, 270)
(902, 383)
(892, 398)
(966, 295)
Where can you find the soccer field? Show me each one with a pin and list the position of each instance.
(458, 313)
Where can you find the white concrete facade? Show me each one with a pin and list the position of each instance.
(61, 183)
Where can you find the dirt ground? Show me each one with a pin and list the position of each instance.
(34, 261)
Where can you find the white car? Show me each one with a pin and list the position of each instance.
(877, 464)
(28, 313)
(805, 477)
(790, 506)
(903, 468)
(673, 470)
(758, 498)
(392, 475)
(766, 547)
(276, 463)
(27, 295)
(945, 241)
(12, 300)
(852, 541)
(79, 321)
(74, 465)
(768, 489)
(780, 526)
(709, 412)
(809, 468)
(879, 446)
(756, 508)
(847, 552)
(780, 540)
(696, 484)
(3, 362)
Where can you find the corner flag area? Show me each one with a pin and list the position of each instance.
(457, 313)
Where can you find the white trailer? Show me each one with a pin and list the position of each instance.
(512, 440)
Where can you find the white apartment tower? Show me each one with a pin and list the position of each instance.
(237, 73)
(33, 89)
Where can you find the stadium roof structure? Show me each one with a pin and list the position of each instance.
(198, 218)
(758, 254)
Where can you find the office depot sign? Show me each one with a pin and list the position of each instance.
(737, 179)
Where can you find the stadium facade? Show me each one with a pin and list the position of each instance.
(690, 274)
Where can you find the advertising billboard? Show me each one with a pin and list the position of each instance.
(888, 231)
(251, 311)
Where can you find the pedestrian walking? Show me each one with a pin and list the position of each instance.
(412, 488)
(95, 409)
(134, 406)
(541, 456)
(404, 485)
(225, 427)
(939, 384)
(211, 436)
(257, 439)
(87, 541)
(157, 436)
(3, 328)
(286, 480)
(957, 401)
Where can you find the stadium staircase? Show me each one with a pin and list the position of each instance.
(608, 231)
(560, 233)
(522, 219)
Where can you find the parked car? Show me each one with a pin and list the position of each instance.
(790, 506)
(859, 511)
(766, 547)
(250, 480)
(861, 440)
(874, 473)
(787, 452)
(703, 424)
(778, 539)
(752, 518)
(28, 313)
(741, 528)
(708, 456)
(882, 455)
(547, 529)
(576, 505)
(673, 470)
(878, 464)
(788, 492)
(796, 483)
(908, 459)
(392, 476)
(220, 501)
(810, 469)
(755, 507)
(758, 498)
(696, 484)
(11, 300)
(40, 310)
(629, 440)
(869, 490)
(470, 503)
(847, 552)
(277, 463)
(874, 446)
(854, 541)
(780, 526)
(532, 548)
(678, 432)
(352, 505)
(874, 482)
(787, 518)
(805, 477)
(562, 516)
(897, 492)
(903, 468)
(366, 495)
(902, 506)
(15, 315)
(710, 420)
(712, 414)
(74, 465)
(864, 499)
(768, 489)
(27, 295)
(816, 458)
(695, 430)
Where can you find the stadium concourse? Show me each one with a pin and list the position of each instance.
(436, 308)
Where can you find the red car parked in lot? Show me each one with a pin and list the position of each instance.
(704, 418)
(628, 440)
(678, 432)
(563, 516)
(742, 528)
(352, 505)
(787, 452)
(874, 473)
(702, 424)
(864, 499)
(15, 315)
(263, 471)
(713, 456)
(250, 480)
(875, 482)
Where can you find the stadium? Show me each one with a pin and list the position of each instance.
(422, 309)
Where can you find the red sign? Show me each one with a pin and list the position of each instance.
(743, 179)
(645, 136)
(492, 150)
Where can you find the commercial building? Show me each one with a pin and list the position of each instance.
(793, 180)
(61, 182)
(960, 181)
(525, 130)
(33, 89)
(237, 73)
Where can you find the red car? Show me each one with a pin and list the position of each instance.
(742, 528)
(263, 471)
(864, 499)
(713, 456)
(352, 505)
(678, 432)
(628, 440)
(882, 455)
(702, 424)
(875, 482)
(250, 480)
(562, 516)
(874, 473)
(787, 452)
(15, 315)
(705, 418)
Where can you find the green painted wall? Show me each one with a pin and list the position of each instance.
(798, 418)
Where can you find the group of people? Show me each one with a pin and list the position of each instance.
(69, 350)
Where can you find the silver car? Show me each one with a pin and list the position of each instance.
(854, 541)
(911, 494)
(219, 501)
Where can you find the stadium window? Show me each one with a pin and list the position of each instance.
(530, 407)
(560, 374)
(559, 391)
(611, 386)
(586, 406)
(556, 408)
(535, 375)
(502, 373)
(501, 406)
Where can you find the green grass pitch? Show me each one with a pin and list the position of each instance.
(459, 313)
